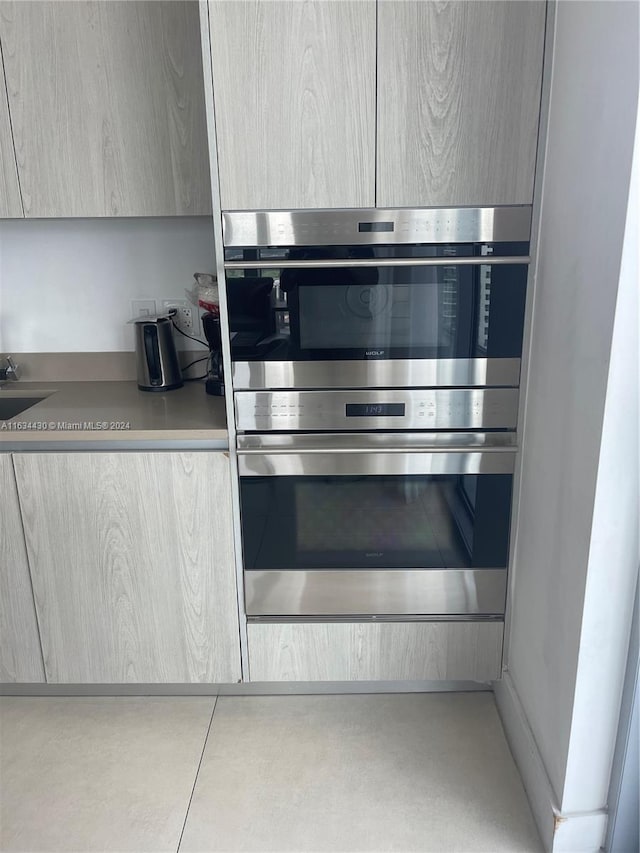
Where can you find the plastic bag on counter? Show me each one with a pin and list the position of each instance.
(204, 293)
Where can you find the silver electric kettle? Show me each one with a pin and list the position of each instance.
(156, 357)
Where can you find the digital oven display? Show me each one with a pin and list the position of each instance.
(374, 227)
(375, 410)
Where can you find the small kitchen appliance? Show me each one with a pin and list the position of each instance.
(156, 357)
(215, 377)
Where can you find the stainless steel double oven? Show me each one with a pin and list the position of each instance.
(375, 365)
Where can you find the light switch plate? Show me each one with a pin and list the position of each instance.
(143, 308)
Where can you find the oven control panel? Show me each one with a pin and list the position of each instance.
(422, 409)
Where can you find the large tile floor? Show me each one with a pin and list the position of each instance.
(407, 772)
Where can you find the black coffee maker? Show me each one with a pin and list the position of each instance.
(215, 377)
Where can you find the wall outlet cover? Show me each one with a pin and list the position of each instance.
(184, 314)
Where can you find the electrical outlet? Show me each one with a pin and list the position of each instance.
(183, 317)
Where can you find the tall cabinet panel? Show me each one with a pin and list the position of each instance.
(458, 101)
(131, 556)
(107, 104)
(20, 656)
(10, 204)
(294, 91)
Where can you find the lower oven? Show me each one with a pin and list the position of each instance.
(376, 524)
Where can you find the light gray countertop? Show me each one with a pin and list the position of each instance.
(113, 414)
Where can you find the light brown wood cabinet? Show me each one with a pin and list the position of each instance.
(20, 656)
(375, 651)
(10, 203)
(132, 564)
(294, 92)
(387, 103)
(458, 101)
(107, 107)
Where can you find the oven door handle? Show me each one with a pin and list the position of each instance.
(341, 263)
(349, 463)
(272, 451)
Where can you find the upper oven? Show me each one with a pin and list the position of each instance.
(376, 298)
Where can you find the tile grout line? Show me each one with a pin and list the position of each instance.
(195, 781)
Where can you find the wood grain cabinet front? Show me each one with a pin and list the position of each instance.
(20, 656)
(387, 103)
(132, 563)
(294, 92)
(375, 651)
(107, 107)
(458, 101)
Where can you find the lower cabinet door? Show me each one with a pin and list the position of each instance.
(375, 651)
(20, 656)
(132, 563)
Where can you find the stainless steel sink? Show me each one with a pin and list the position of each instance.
(12, 406)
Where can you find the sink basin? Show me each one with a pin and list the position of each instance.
(12, 406)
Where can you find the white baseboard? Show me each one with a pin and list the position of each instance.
(582, 832)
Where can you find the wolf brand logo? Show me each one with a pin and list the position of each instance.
(373, 353)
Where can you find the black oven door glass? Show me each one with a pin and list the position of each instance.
(376, 312)
(384, 522)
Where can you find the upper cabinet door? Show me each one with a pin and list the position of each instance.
(458, 102)
(10, 204)
(294, 91)
(107, 106)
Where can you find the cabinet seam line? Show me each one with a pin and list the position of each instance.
(539, 140)
(213, 112)
(13, 137)
(375, 129)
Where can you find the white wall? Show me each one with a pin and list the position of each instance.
(569, 612)
(614, 551)
(66, 285)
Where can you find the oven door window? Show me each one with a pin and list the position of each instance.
(370, 313)
(377, 312)
(385, 522)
